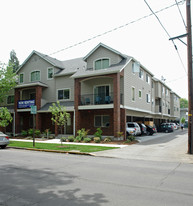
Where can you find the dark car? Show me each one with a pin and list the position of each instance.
(166, 127)
(150, 130)
(143, 128)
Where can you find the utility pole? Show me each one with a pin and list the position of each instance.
(190, 78)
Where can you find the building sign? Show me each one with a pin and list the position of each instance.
(34, 109)
(23, 104)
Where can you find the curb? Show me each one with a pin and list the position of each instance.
(54, 151)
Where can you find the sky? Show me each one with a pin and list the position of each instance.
(49, 26)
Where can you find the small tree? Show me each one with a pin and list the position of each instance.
(13, 61)
(5, 117)
(7, 81)
(183, 120)
(59, 115)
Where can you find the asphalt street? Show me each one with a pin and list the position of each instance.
(52, 179)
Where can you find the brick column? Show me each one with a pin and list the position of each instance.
(77, 92)
(17, 118)
(123, 122)
(116, 111)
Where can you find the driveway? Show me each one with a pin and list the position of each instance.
(170, 147)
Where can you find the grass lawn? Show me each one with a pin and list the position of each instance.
(65, 147)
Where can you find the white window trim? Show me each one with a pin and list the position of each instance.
(148, 80)
(149, 98)
(101, 59)
(132, 68)
(101, 119)
(47, 73)
(19, 78)
(61, 100)
(141, 94)
(142, 78)
(132, 94)
(32, 72)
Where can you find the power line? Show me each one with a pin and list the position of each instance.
(180, 13)
(154, 13)
(114, 29)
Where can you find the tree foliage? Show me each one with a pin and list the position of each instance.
(5, 117)
(13, 61)
(7, 81)
(183, 103)
(59, 114)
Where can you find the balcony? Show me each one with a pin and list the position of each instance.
(97, 99)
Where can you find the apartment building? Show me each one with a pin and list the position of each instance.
(104, 89)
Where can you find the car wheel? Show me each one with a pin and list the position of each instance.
(148, 133)
(3, 146)
(166, 131)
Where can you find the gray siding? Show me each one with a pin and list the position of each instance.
(102, 52)
(133, 80)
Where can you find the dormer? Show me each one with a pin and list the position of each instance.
(102, 57)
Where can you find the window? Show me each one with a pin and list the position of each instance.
(101, 120)
(133, 93)
(35, 76)
(140, 94)
(166, 92)
(101, 64)
(163, 90)
(21, 78)
(63, 94)
(148, 98)
(101, 93)
(152, 101)
(50, 73)
(141, 73)
(10, 99)
(147, 79)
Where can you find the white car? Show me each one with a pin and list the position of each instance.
(132, 128)
(174, 125)
(4, 140)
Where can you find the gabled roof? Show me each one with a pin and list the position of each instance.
(52, 61)
(114, 68)
(106, 47)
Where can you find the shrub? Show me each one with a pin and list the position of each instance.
(30, 132)
(120, 134)
(71, 139)
(87, 139)
(78, 139)
(24, 133)
(82, 133)
(63, 139)
(98, 133)
(107, 139)
(47, 132)
(131, 138)
(97, 139)
(37, 132)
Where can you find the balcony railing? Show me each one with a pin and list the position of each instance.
(98, 99)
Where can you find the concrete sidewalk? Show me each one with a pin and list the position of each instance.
(173, 150)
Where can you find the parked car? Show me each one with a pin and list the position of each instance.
(154, 128)
(166, 127)
(174, 125)
(150, 130)
(132, 128)
(143, 128)
(4, 140)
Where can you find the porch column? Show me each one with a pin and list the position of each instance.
(17, 119)
(116, 111)
(76, 103)
(123, 122)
